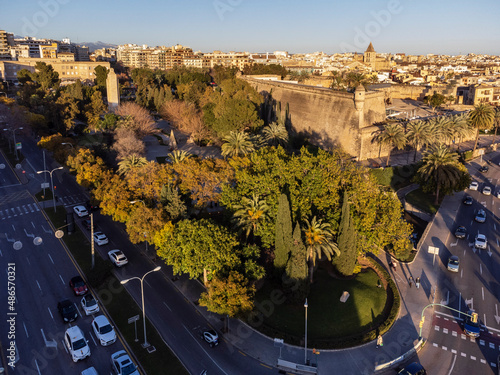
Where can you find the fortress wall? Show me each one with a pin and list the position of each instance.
(325, 116)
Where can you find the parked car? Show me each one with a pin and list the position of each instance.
(461, 232)
(78, 285)
(453, 263)
(89, 304)
(121, 364)
(487, 190)
(67, 310)
(480, 216)
(472, 326)
(80, 211)
(484, 169)
(76, 344)
(480, 242)
(103, 330)
(100, 238)
(414, 368)
(473, 185)
(468, 200)
(210, 336)
(117, 257)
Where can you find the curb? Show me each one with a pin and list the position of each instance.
(410, 353)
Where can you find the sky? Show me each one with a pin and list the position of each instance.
(331, 26)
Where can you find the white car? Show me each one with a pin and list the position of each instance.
(121, 364)
(89, 304)
(117, 257)
(103, 330)
(487, 190)
(76, 344)
(480, 242)
(100, 238)
(81, 211)
(473, 185)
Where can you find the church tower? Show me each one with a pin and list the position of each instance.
(370, 56)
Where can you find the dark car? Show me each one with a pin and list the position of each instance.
(468, 200)
(480, 216)
(461, 232)
(67, 310)
(87, 224)
(78, 285)
(414, 368)
(484, 169)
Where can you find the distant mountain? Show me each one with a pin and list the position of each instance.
(96, 45)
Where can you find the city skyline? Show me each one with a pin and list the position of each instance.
(394, 26)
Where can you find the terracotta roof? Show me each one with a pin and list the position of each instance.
(370, 48)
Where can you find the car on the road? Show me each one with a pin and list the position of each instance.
(89, 371)
(461, 232)
(121, 364)
(472, 326)
(117, 257)
(78, 285)
(100, 238)
(103, 330)
(211, 337)
(87, 223)
(453, 263)
(76, 344)
(484, 169)
(468, 200)
(487, 190)
(473, 185)
(480, 216)
(481, 242)
(67, 310)
(80, 211)
(414, 368)
(89, 304)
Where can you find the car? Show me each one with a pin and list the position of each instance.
(117, 257)
(473, 185)
(414, 368)
(480, 242)
(468, 200)
(76, 344)
(497, 194)
(453, 263)
(67, 310)
(78, 285)
(80, 211)
(487, 190)
(472, 326)
(100, 238)
(89, 304)
(87, 223)
(121, 364)
(89, 371)
(461, 232)
(484, 169)
(210, 336)
(480, 216)
(103, 330)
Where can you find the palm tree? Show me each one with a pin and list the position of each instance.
(481, 117)
(237, 144)
(249, 214)
(130, 162)
(319, 241)
(461, 128)
(275, 134)
(443, 129)
(496, 123)
(393, 136)
(440, 165)
(418, 135)
(177, 156)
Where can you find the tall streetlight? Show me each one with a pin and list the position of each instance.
(52, 183)
(305, 347)
(146, 343)
(14, 136)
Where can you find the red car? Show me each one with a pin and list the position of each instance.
(78, 285)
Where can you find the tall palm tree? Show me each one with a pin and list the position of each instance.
(275, 134)
(418, 135)
(443, 129)
(237, 144)
(440, 165)
(496, 123)
(461, 128)
(177, 156)
(481, 117)
(130, 162)
(249, 214)
(319, 241)
(393, 136)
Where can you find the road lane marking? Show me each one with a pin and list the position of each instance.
(37, 368)
(481, 270)
(61, 279)
(463, 354)
(481, 342)
(92, 337)
(39, 287)
(26, 330)
(445, 330)
(167, 306)
(492, 346)
(50, 312)
(482, 292)
(444, 347)
(50, 258)
(472, 357)
(454, 333)
(454, 360)
(434, 344)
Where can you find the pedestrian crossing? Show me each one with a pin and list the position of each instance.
(29, 208)
(24, 209)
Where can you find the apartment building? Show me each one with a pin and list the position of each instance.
(6, 41)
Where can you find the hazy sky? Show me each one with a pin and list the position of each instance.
(409, 26)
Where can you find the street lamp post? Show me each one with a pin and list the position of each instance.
(145, 344)
(52, 183)
(305, 345)
(14, 136)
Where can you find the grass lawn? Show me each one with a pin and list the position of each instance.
(114, 296)
(424, 201)
(328, 318)
(394, 177)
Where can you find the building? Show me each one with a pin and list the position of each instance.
(6, 42)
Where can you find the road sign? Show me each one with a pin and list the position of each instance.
(133, 319)
(45, 185)
(433, 250)
(19, 146)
